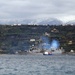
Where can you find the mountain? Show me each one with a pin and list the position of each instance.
(50, 21)
(72, 22)
(11, 22)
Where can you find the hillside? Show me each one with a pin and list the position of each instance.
(14, 38)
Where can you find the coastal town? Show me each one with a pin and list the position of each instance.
(28, 38)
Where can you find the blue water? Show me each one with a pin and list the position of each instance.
(37, 65)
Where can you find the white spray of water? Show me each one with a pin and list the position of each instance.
(48, 45)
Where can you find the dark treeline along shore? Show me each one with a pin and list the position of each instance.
(22, 37)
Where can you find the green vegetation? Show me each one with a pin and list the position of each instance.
(18, 37)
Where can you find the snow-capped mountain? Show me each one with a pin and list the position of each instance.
(72, 22)
(50, 21)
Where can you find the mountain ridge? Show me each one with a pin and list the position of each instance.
(48, 21)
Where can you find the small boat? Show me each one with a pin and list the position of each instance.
(47, 53)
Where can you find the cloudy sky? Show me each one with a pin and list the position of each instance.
(35, 9)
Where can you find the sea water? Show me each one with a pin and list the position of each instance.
(37, 65)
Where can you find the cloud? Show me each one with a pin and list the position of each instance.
(33, 9)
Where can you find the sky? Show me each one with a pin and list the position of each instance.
(35, 9)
